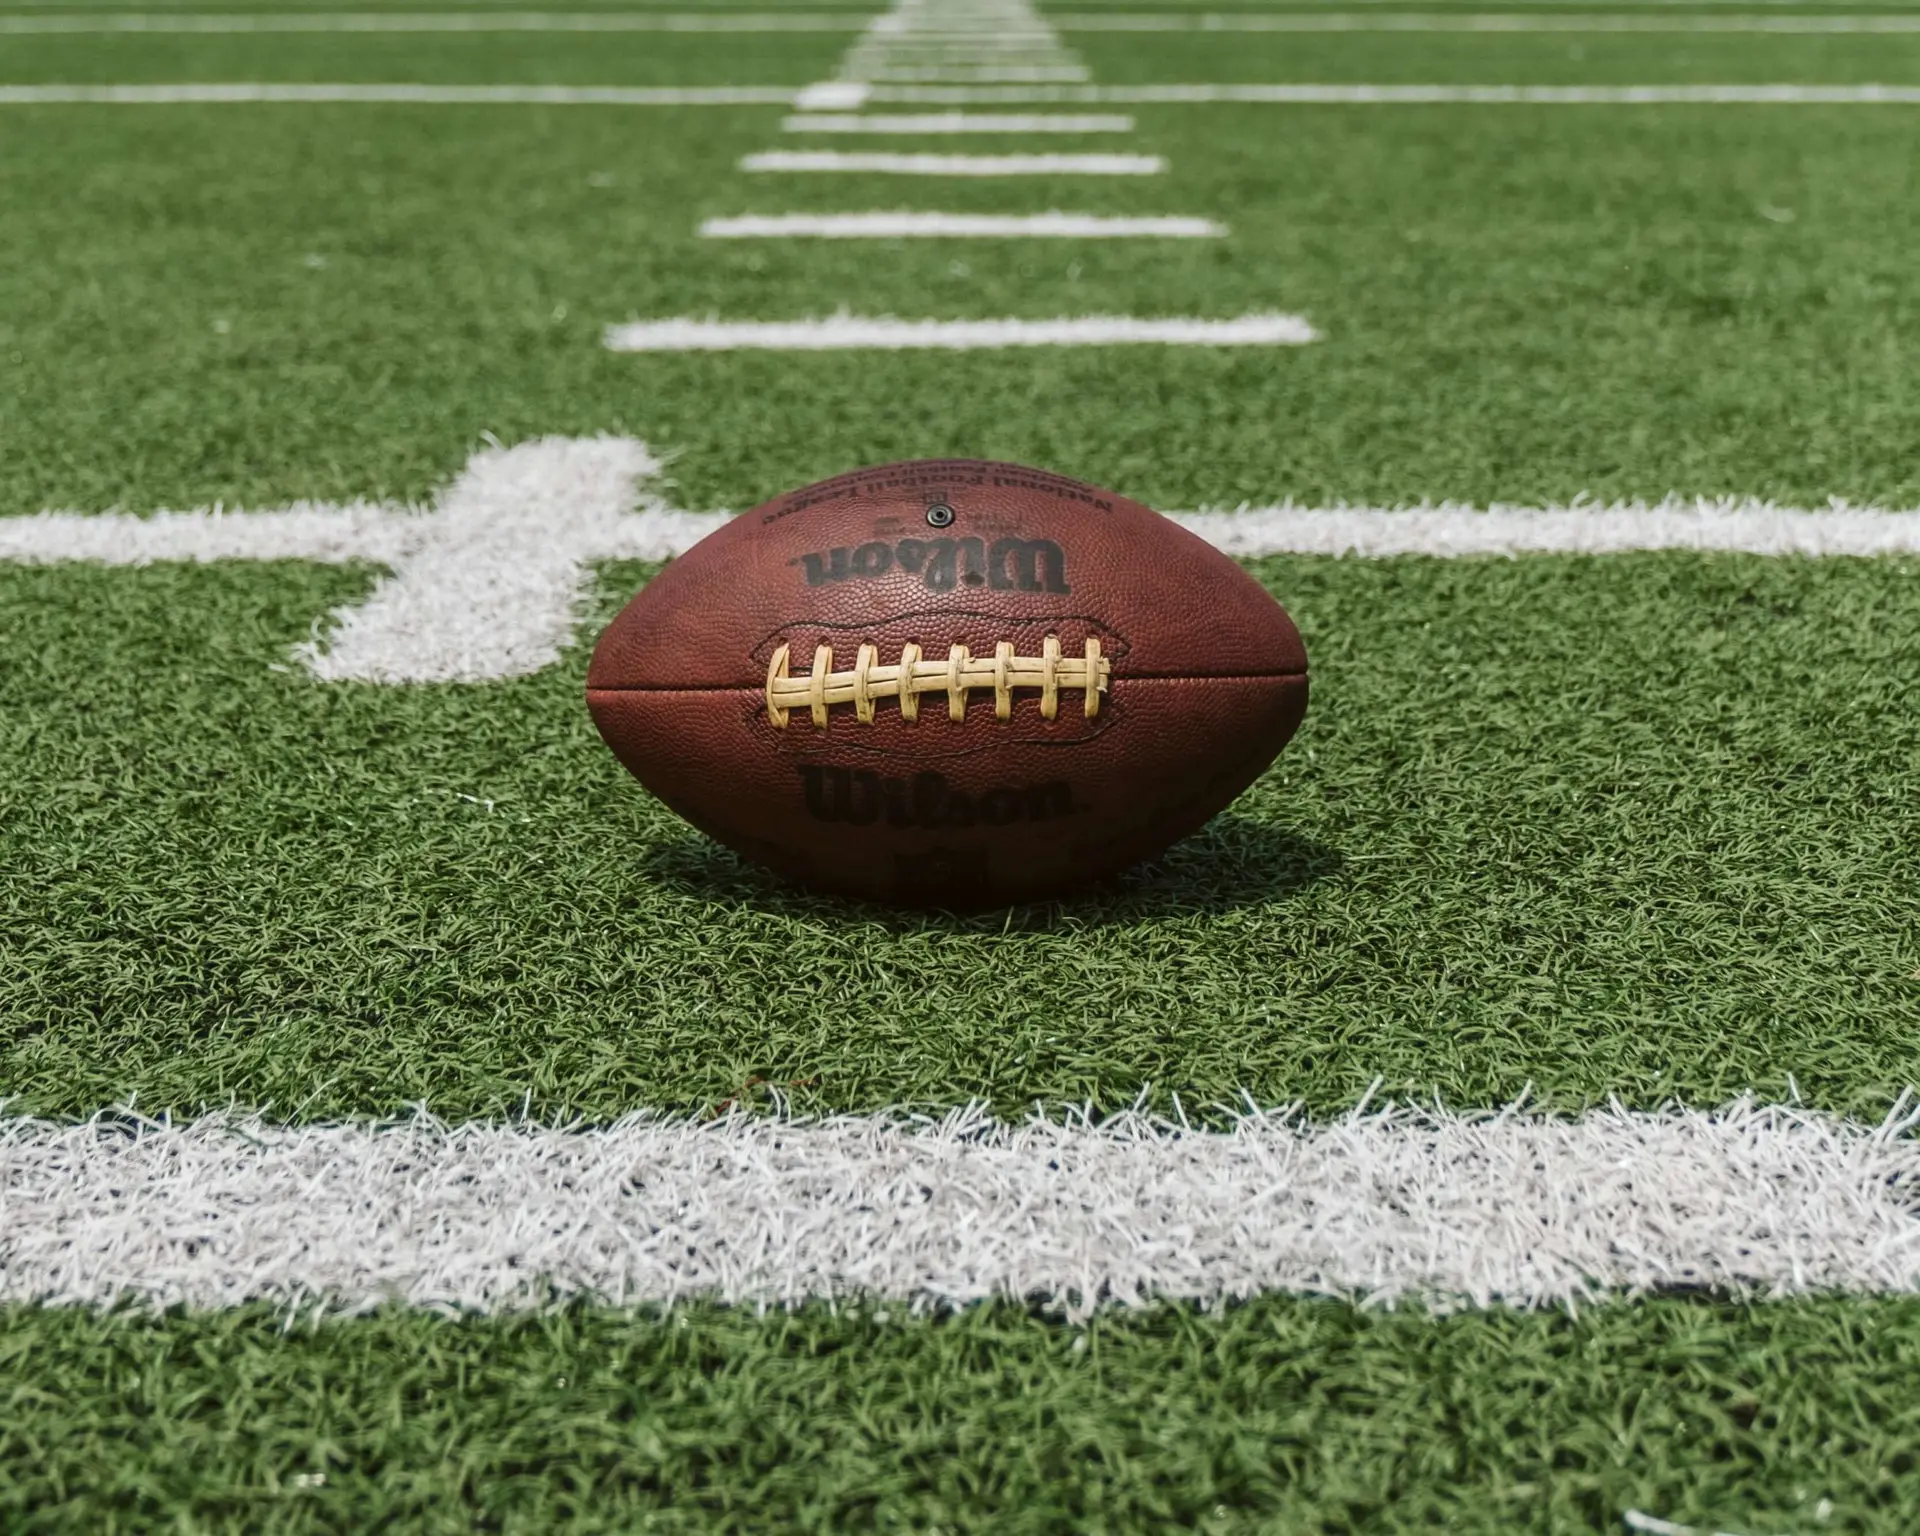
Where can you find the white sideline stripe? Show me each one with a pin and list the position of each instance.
(1382, 1206)
(884, 333)
(1304, 94)
(249, 92)
(254, 92)
(956, 122)
(909, 225)
(1726, 525)
(439, 21)
(1421, 21)
(956, 165)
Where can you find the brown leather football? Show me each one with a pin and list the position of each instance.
(949, 683)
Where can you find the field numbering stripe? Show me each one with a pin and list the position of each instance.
(1382, 1205)
(909, 123)
(933, 226)
(853, 332)
(828, 160)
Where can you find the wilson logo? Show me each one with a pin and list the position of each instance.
(1010, 565)
(860, 797)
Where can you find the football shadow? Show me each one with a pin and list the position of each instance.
(1232, 864)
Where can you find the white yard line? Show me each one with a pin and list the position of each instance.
(1013, 71)
(1305, 94)
(1383, 1206)
(909, 225)
(833, 96)
(483, 586)
(1495, 22)
(435, 21)
(980, 42)
(504, 540)
(854, 332)
(914, 123)
(1732, 525)
(487, 583)
(242, 93)
(828, 160)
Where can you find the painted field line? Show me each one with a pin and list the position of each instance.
(436, 21)
(1730, 525)
(934, 226)
(1383, 1206)
(250, 92)
(833, 96)
(1495, 22)
(854, 332)
(487, 583)
(320, 532)
(909, 123)
(976, 74)
(1304, 94)
(956, 165)
(243, 93)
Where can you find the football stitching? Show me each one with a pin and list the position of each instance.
(956, 676)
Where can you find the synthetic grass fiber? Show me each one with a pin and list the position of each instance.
(1286, 1414)
(258, 304)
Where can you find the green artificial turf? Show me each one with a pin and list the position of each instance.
(1637, 826)
(1285, 1414)
(252, 304)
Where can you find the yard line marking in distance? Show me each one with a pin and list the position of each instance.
(832, 96)
(438, 21)
(855, 332)
(1304, 94)
(955, 165)
(977, 74)
(279, 92)
(1387, 1205)
(929, 41)
(911, 123)
(1494, 22)
(252, 92)
(516, 534)
(909, 225)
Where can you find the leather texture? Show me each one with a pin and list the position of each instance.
(1208, 682)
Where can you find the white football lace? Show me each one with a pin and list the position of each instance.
(1003, 672)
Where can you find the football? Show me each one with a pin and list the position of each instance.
(949, 683)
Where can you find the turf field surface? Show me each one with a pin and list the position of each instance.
(1631, 827)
